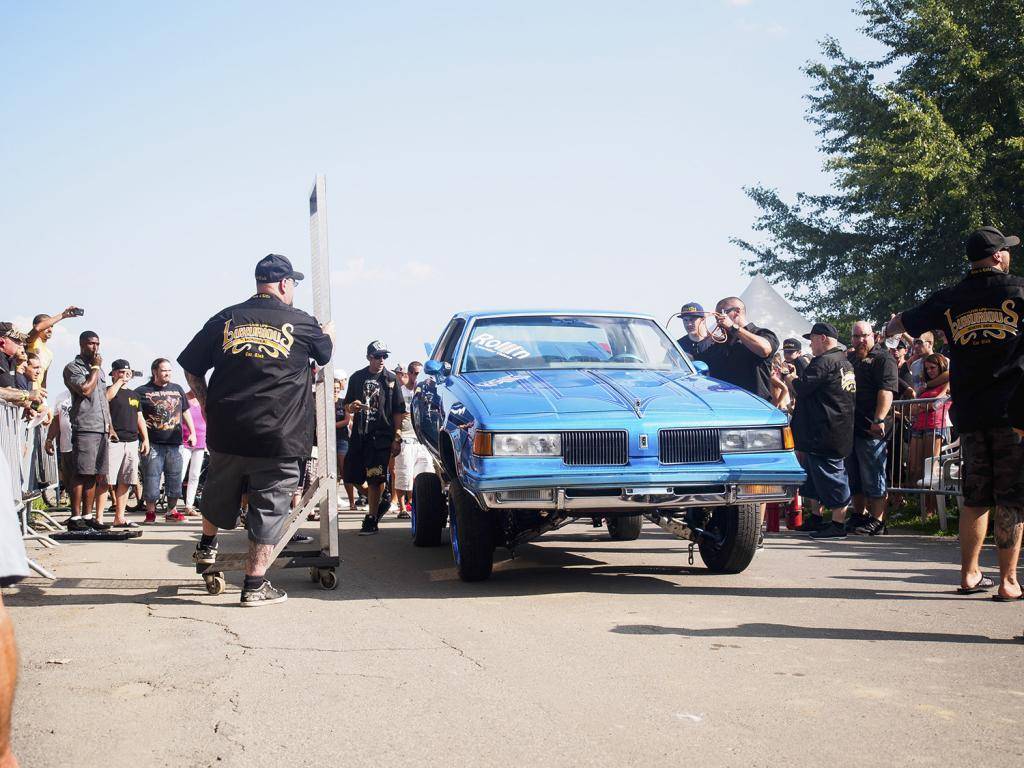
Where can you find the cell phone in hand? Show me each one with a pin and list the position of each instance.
(77, 312)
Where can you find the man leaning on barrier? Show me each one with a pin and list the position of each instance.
(257, 408)
(983, 317)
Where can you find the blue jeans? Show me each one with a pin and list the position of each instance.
(866, 467)
(826, 481)
(161, 459)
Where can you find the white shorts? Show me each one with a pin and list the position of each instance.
(123, 463)
(412, 461)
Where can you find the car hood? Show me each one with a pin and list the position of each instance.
(634, 392)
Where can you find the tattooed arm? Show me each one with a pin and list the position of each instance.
(198, 386)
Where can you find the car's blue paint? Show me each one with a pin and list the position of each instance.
(451, 406)
(701, 366)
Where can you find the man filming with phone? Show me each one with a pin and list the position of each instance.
(374, 398)
(42, 331)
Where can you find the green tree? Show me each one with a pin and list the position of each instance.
(923, 145)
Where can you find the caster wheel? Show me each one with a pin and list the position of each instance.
(314, 574)
(215, 583)
(328, 580)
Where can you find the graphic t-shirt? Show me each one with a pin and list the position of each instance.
(124, 415)
(162, 408)
(982, 317)
(382, 396)
(408, 433)
(260, 397)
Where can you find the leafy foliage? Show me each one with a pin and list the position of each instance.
(923, 145)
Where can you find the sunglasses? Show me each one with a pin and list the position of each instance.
(730, 310)
(379, 357)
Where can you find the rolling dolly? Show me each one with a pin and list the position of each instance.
(322, 494)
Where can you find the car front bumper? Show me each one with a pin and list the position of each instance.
(635, 498)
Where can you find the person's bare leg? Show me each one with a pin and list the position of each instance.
(877, 507)
(373, 493)
(76, 497)
(350, 490)
(8, 682)
(88, 494)
(1007, 526)
(101, 497)
(172, 503)
(259, 558)
(973, 526)
(120, 502)
(860, 505)
(839, 515)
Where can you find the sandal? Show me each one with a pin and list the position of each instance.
(1001, 599)
(984, 584)
(127, 524)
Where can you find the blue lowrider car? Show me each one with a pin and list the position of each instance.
(537, 419)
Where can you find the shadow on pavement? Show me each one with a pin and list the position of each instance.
(792, 632)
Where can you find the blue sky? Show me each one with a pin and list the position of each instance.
(478, 155)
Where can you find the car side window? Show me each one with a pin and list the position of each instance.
(446, 349)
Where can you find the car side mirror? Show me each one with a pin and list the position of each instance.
(436, 368)
(702, 367)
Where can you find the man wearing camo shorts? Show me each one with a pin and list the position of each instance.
(983, 317)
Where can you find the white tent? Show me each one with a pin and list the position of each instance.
(766, 308)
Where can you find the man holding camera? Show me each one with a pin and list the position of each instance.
(42, 330)
(124, 451)
(374, 399)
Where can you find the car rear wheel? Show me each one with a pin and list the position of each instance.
(625, 528)
(472, 535)
(429, 510)
(738, 528)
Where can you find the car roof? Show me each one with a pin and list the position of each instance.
(478, 314)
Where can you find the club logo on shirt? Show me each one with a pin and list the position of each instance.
(848, 381)
(258, 340)
(983, 325)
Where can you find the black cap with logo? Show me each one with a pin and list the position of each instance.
(274, 267)
(984, 242)
(377, 349)
(823, 329)
(792, 345)
(120, 365)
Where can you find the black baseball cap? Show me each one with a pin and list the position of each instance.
(792, 345)
(274, 267)
(823, 329)
(984, 242)
(691, 308)
(376, 349)
(120, 365)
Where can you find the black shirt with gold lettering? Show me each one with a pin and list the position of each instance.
(260, 393)
(982, 319)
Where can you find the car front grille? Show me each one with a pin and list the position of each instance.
(597, 448)
(688, 446)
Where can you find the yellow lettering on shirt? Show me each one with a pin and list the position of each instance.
(983, 324)
(258, 340)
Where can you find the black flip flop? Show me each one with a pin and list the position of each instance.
(984, 585)
(1001, 599)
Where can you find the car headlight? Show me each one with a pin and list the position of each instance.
(517, 444)
(749, 440)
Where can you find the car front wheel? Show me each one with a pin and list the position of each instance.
(737, 528)
(472, 531)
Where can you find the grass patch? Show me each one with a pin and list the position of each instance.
(908, 517)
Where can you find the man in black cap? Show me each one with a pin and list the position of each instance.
(982, 316)
(12, 344)
(696, 341)
(745, 358)
(124, 449)
(374, 399)
(823, 429)
(257, 408)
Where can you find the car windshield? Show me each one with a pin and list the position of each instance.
(569, 341)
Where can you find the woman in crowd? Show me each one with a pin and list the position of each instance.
(781, 398)
(192, 458)
(930, 428)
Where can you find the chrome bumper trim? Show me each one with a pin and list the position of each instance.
(638, 499)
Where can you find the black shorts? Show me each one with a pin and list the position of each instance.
(993, 468)
(367, 461)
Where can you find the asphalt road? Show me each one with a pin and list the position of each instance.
(581, 651)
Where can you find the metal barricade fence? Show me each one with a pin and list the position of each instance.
(32, 471)
(924, 457)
